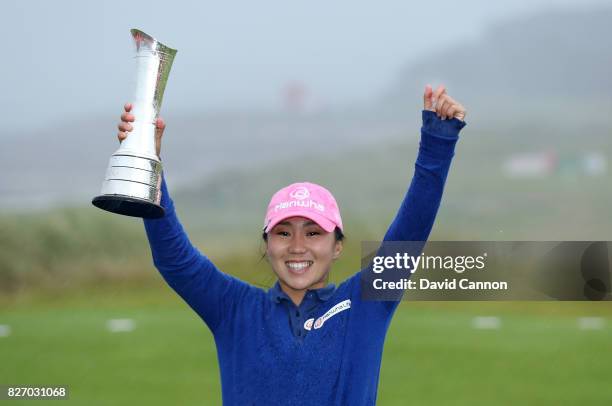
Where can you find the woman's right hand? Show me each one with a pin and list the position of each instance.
(125, 127)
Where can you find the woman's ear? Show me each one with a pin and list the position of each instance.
(337, 249)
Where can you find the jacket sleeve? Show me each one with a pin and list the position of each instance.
(207, 290)
(416, 215)
(417, 212)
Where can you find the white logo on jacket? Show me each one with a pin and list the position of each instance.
(340, 307)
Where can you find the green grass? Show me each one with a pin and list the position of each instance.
(432, 354)
(168, 359)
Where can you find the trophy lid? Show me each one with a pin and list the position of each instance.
(144, 41)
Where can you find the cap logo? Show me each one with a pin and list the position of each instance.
(300, 193)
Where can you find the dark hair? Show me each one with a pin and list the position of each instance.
(337, 232)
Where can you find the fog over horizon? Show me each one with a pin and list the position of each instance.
(68, 58)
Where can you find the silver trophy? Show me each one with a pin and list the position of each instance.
(132, 185)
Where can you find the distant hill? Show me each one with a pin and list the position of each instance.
(533, 83)
(550, 57)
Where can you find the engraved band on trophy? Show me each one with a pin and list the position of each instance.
(132, 185)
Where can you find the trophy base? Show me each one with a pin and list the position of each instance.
(132, 187)
(129, 206)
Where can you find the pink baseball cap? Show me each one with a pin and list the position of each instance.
(304, 199)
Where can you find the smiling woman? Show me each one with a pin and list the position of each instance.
(301, 244)
(303, 341)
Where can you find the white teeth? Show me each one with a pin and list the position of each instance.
(298, 265)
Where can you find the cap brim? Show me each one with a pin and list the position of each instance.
(325, 223)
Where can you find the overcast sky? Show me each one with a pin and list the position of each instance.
(74, 57)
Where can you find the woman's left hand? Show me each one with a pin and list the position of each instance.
(442, 104)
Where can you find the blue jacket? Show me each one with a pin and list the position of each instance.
(328, 350)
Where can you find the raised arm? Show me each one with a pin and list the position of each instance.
(192, 275)
(442, 121)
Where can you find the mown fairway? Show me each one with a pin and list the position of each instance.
(433, 355)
